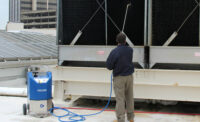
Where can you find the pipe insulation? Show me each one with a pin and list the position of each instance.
(7, 91)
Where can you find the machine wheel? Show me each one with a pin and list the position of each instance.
(28, 107)
(24, 109)
(52, 107)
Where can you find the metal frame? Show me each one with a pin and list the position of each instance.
(180, 55)
(173, 85)
(106, 23)
(25, 63)
(146, 23)
(59, 25)
(149, 34)
(177, 55)
(199, 26)
(158, 54)
(93, 53)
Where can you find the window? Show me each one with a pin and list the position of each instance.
(26, 2)
(26, 8)
(53, 4)
(41, 3)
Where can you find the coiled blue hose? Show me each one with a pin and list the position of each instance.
(73, 117)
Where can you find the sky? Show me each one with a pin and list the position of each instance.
(4, 13)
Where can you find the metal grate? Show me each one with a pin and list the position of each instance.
(168, 16)
(77, 12)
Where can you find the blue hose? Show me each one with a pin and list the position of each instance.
(73, 117)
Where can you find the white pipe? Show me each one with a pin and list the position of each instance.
(6, 91)
(76, 38)
(125, 16)
(171, 38)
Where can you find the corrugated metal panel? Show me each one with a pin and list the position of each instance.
(22, 45)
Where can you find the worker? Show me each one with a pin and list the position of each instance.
(120, 61)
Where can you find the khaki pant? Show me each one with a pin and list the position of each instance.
(123, 87)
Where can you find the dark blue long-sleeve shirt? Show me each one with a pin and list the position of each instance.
(120, 61)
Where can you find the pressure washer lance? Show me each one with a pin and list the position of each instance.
(127, 39)
(74, 117)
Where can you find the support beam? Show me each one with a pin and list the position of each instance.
(149, 34)
(146, 23)
(199, 24)
(94, 53)
(34, 5)
(173, 85)
(6, 91)
(106, 22)
(25, 63)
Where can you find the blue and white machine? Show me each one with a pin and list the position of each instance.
(39, 94)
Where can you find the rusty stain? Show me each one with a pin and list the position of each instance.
(176, 84)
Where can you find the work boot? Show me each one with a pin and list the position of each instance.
(130, 121)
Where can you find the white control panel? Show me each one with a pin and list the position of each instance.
(41, 80)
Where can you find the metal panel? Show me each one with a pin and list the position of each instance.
(26, 62)
(176, 85)
(12, 73)
(37, 110)
(179, 55)
(23, 45)
(94, 53)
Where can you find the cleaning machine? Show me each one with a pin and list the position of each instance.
(39, 94)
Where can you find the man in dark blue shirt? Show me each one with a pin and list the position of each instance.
(120, 61)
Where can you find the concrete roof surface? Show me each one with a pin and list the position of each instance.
(11, 110)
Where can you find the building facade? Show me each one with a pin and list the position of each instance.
(14, 10)
(34, 13)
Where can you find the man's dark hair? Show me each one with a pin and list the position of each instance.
(121, 38)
